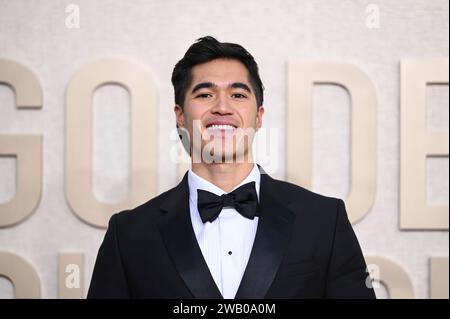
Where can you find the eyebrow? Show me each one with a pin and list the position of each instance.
(240, 85)
(203, 85)
(235, 85)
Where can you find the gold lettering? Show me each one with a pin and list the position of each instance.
(79, 138)
(302, 75)
(27, 149)
(417, 143)
(22, 275)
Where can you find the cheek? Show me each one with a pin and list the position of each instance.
(195, 112)
(193, 122)
(251, 119)
(189, 117)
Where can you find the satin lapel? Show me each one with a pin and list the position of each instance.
(178, 235)
(272, 237)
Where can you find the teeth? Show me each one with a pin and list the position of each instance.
(221, 127)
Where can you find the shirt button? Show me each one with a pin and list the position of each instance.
(230, 252)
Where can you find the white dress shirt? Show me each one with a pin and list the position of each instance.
(226, 242)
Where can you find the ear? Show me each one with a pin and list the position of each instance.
(259, 115)
(179, 115)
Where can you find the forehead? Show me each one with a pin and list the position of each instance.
(220, 72)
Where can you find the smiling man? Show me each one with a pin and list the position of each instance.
(228, 230)
(221, 107)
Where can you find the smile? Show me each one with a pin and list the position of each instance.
(221, 127)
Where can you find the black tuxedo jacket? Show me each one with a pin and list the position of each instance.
(304, 247)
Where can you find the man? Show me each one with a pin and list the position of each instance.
(228, 230)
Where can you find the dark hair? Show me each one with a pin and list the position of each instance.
(207, 49)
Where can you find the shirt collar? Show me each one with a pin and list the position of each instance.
(196, 182)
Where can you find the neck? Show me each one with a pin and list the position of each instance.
(226, 176)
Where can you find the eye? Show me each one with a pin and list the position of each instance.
(203, 96)
(239, 96)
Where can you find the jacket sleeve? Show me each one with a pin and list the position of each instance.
(108, 279)
(347, 273)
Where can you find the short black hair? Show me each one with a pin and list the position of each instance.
(207, 49)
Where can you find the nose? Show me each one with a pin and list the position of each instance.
(221, 105)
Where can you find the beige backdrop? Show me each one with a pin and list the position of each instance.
(373, 37)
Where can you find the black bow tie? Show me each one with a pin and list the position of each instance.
(244, 199)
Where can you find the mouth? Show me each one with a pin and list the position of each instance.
(229, 127)
(222, 127)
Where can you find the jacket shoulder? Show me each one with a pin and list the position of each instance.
(149, 210)
(289, 192)
(312, 209)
